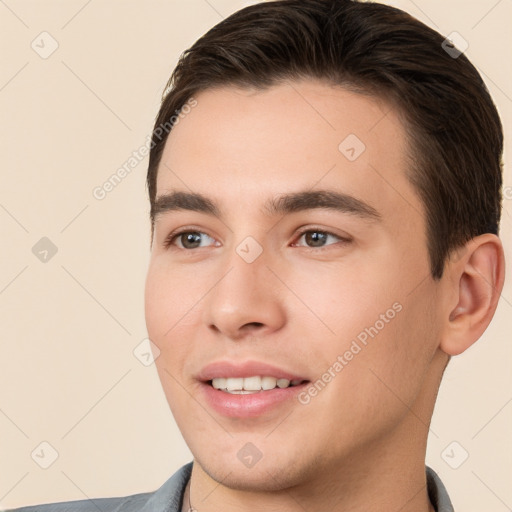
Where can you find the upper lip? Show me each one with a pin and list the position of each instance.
(231, 369)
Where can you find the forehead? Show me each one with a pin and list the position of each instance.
(243, 145)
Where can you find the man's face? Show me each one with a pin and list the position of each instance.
(339, 300)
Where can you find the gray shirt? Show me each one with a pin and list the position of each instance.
(169, 498)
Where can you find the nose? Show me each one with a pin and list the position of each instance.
(246, 300)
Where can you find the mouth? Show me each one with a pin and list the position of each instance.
(249, 389)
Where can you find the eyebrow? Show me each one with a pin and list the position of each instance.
(284, 204)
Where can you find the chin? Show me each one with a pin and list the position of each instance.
(265, 478)
(273, 472)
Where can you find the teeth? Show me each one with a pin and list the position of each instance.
(247, 385)
(252, 383)
(219, 383)
(283, 383)
(234, 384)
(268, 383)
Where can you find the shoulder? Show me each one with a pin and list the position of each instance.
(165, 499)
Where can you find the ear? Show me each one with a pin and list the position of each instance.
(475, 279)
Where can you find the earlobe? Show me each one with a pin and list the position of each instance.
(478, 277)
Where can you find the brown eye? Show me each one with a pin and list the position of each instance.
(318, 238)
(188, 240)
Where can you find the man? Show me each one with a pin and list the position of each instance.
(325, 199)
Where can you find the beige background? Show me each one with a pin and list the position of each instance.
(68, 375)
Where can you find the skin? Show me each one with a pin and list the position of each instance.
(360, 443)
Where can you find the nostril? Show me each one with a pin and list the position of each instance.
(250, 326)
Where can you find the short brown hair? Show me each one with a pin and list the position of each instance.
(456, 138)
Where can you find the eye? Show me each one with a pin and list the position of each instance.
(318, 238)
(188, 240)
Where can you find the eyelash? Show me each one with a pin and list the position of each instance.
(169, 241)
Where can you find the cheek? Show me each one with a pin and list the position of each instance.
(169, 300)
(172, 312)
(370, 317)
(392, 366)
(166, 314)
(340, 302)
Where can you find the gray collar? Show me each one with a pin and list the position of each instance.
(437, 492)
(169, 497)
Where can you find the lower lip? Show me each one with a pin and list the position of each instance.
(250, 405)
